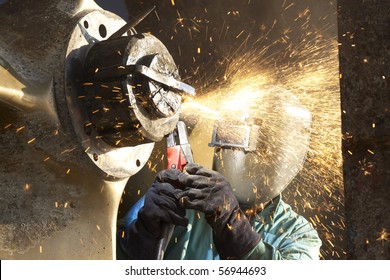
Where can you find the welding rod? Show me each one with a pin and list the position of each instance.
(132, 23)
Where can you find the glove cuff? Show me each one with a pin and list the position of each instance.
(236, 238)
(137, 242)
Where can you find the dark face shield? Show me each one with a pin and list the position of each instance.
(262, 154)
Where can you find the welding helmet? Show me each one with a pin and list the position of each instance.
(263, 151)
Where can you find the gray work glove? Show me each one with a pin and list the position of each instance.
(209, 192)
(161, 208)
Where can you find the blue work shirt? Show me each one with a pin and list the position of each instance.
(284, 235)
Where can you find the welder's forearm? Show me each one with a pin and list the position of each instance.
(137, 243)
(263, 251)
(304, 249)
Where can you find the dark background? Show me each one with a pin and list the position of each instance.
(189, 25)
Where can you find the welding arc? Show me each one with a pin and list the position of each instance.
(132, 23)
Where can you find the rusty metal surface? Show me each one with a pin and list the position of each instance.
(365, 94)
(51, 200)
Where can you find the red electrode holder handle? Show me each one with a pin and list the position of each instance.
(178, 155)
(176, 158)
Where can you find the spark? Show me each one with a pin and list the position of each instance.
(27, 187)
(328, 190)
(19, 129)
(65, 151)
(158, 18)
(383, 236)
(239, 34)
(366, 167)
(289, 6)
(98, 227)
(330, 242)
(40, 249)
(179, 20)
(234, 13)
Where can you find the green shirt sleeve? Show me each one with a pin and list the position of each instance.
(285, 235)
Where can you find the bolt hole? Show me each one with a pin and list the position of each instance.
(138, 163)
(86, 24)
(102, 31)
(95, 157)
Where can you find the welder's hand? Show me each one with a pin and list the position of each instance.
(161, 208)
(209, 192)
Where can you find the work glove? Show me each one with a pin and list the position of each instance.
(209, 192)
(161, 209)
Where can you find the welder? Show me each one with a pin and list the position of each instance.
(234, 211)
